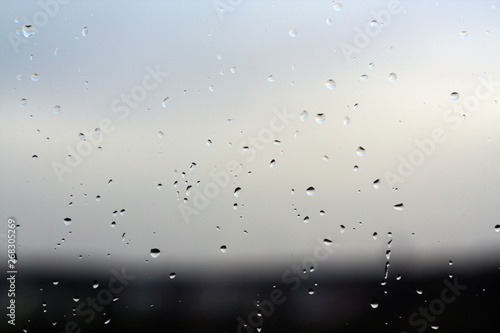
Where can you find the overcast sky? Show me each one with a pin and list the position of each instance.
(224, 76)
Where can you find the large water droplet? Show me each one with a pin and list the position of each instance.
(85, 31)
(376, 184)
(454, 96)
(360, 151)
(67, 221)
(270, 78)
(329, 21)
(23, 102)
(29, 30)
(497, 228)
(223, 248)
(392, 77)
(374, 303)
(155, 253)
(293, 32)
(272, 163)
(310, 191)
(338, 6)
(330, 84)
(320, 118)
(161, 135)
(237, 191)
(363, 77)
(347, 120)
(35, 77)
(57, 109)
(464, 34)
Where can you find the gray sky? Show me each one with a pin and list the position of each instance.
(450, 199)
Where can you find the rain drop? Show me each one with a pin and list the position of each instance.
(57, 109)
(304, 115)
(376, 184)
(310, 191)
(347, 120)
(293, 32)
(28, 31)
(392, 77)
(360, 151)
(85, 31)
(67, 221)
(320, 118)
(363, 77)
(237, 191)
(35, 77)
(464, 34)
(330, 84)
(155, 253)
(161, 135)
(166, 102)
(223, 248)
(497, 228)
(454, 96)
(399, 207)
(337, 6)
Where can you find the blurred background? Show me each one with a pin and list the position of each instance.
(208, 156)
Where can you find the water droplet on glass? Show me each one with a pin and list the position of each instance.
(155, 253)
(270, 78)
(330, 84)
(435, 327)
(325, 158)
(85, 31)
(55, 282)
(28, 30)
(311, 291)
(337, 6)
(34, 157)
(237, 191)
(497, 228)
(293, 32)
(161, 135)
(272, 164)
(329, 21)
(399, 207)
(347, 120)
(327, 241)
(57, 109)
(209, 143)
(223, 248)
(371, 65)
(211, 88)
(392, 77)
(420, 292)
(306, 219)
(320, 118)
(310, 191)
(374, 303)
(95, 285)
(376, 184)
(363, 77)
(356, 168)
(375, 236)
(23, 102)
(35, 77)
(304, 115)
(360, 151)
(454, 96)
(166, 102)
(67, 221)
(464, 34)
(172, 275)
